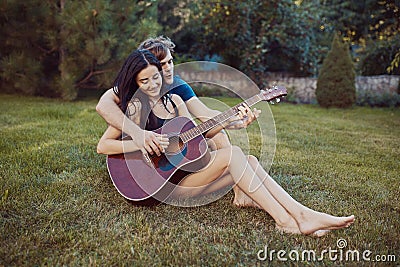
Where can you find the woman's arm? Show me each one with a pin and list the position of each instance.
(181, 106)
(245, 117)
(108, 108)
(109, 143)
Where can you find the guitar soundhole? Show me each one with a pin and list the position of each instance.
(175, 145)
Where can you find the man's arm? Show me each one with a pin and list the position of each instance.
(107, 108)
(203, 113)
(199, 110)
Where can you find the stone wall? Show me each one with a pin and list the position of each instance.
(302, 90)
(226, 80)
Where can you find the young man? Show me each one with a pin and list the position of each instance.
(150, 142)
(108, 108)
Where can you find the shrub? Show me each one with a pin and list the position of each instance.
(378, 55)
(336, 80)
(375, 99)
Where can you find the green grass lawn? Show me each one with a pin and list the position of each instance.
(59, 207)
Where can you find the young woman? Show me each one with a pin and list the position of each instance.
(163, 48)
(138, 85)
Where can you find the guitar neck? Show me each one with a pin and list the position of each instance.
(217, 120)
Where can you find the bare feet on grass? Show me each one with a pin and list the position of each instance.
(291, 227)
(318, 233)
(243, 200)
(312, 221)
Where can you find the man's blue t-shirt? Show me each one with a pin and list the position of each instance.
(181, 88)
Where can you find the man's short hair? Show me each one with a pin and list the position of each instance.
(159, 46)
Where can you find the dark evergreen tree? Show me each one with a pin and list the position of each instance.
(55, 48)
(336, 79)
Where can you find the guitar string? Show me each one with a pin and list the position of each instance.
(220, 118)
(207, 125)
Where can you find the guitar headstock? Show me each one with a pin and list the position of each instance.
(273, 93)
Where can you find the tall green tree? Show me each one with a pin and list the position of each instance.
(372, 27)
(55, 48)
(360, 20)
(254, 36)
(336, 79)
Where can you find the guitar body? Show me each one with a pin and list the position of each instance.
(150, 180)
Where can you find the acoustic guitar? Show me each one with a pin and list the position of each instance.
(148, 179)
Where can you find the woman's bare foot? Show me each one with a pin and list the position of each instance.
(243, 200)
(320, 233)
(293, 228)
(288, 226)
(288, 229)
(312, 221)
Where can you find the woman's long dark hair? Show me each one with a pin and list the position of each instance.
(125, 85)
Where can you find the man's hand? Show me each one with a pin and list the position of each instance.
(244, 118)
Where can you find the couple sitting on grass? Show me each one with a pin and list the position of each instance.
(137, 91)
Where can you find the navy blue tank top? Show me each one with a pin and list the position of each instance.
(154, 122)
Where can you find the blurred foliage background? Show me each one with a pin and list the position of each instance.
(59, 48)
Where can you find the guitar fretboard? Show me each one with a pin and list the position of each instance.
(219, 119)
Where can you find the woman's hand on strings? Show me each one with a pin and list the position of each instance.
(151, 142)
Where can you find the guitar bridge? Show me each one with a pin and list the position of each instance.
(148, 160)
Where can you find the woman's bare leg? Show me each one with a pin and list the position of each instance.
(226, 181)
(307, 219)
(245, 177)
(242, 174)
(241, 199)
